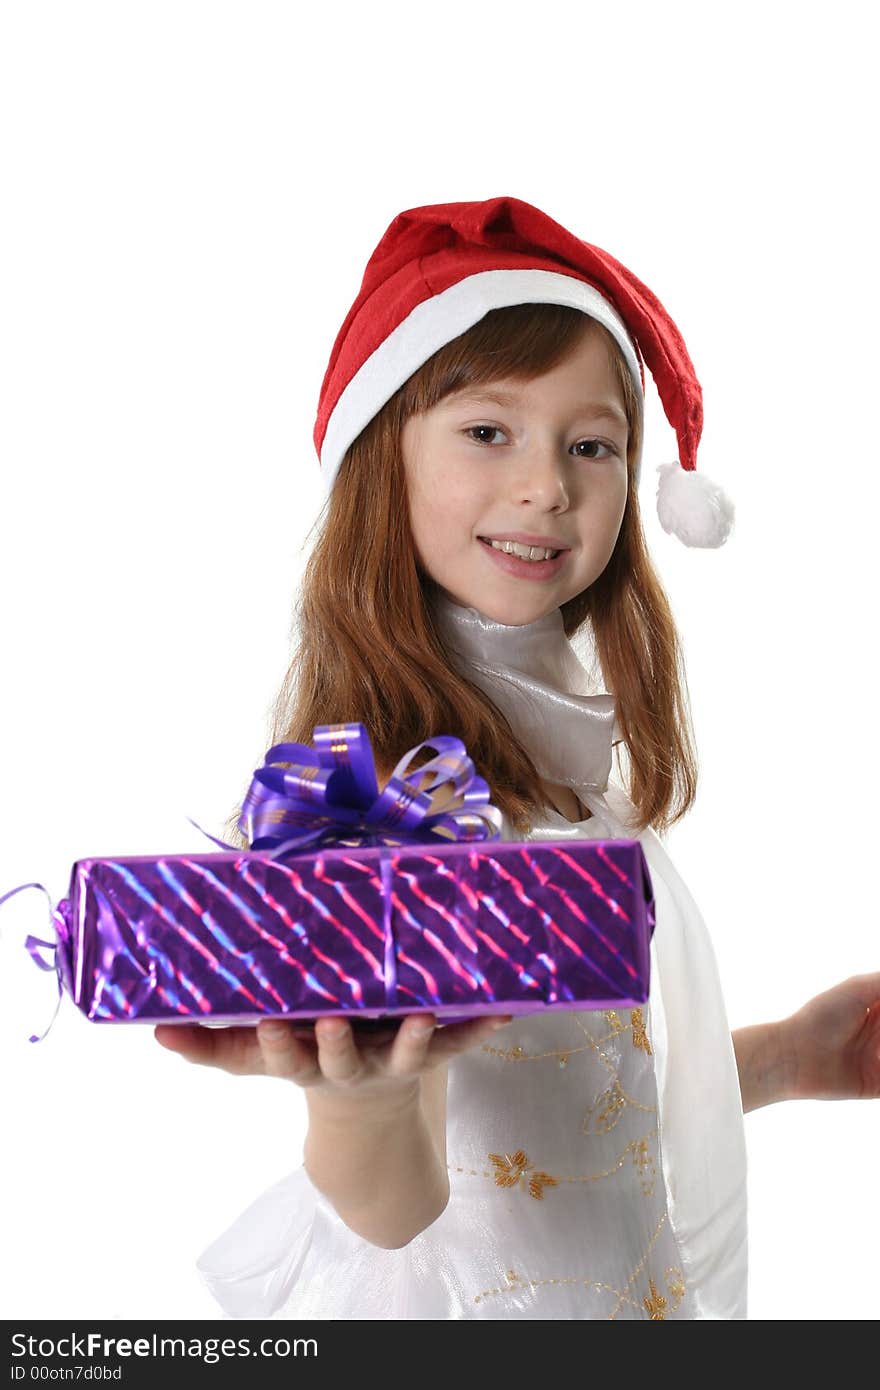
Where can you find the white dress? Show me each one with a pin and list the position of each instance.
(596, 1162)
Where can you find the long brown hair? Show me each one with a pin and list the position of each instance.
(368, 650)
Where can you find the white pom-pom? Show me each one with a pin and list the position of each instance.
(692, 507)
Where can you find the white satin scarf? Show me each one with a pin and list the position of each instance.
(533, 675)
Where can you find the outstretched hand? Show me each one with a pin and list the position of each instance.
(832, 1044)
(333, 1054)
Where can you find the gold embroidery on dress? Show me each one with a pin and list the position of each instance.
(675, 1284)
(645, 1164)
(604, 1113)
(509, 1168)
(640, 1037)
(515, 1282)
(641, 1264)
(655, 1304)
(517, 1054)
(537, 1183)
(597, 1044)
(562, 1054)
(601, 1117)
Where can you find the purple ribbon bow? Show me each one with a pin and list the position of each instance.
(329, 795)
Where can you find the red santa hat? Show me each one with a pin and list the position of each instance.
(439, 269)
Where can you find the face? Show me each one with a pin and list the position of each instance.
(541, 462)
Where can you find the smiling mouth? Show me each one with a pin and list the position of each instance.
(532, 559)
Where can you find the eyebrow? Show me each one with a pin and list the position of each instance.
(597, 410)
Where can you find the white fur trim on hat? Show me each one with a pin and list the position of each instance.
(692, 507)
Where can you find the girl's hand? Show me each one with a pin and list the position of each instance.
(330, 1056)
(832, 1044)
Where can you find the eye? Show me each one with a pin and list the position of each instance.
(490, 429)
(612, 451)
(597, 444)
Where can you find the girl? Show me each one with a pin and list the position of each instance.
(480, 429)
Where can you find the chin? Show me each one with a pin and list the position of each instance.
(516, 611)
(512, 608)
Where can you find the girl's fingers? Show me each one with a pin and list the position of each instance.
(458, 1037)
(331, 1053)
(411, 1047)
(187, 1039)
(232, 1049)
(285, 1056)
(338, 1057)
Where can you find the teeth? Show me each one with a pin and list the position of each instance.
(525, 552)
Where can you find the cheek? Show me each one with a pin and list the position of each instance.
(425, 501)
(605, 514)
(442, 508)
(620, 504)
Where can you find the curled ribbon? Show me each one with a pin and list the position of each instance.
(32, 944)
(314, 797)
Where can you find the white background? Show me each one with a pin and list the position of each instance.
(190, 193)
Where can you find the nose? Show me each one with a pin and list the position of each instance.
(541, 479)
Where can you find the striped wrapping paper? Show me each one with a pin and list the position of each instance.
(457, 930)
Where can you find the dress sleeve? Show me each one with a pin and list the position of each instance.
(289, 1254)
(251, 1268)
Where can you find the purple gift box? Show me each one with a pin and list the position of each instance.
(357, 900)
(455, 929)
